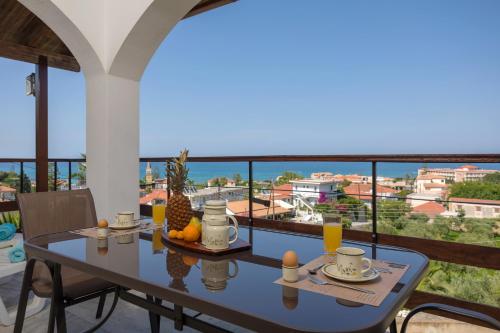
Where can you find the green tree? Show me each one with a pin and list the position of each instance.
(476, 190)
(402, 194)
(238, 179)
(155, 173)
(323, 208)
(392, 210)
(81, 174)
(52, 173)
(26, 184)
(493, 178)
(287, 176)
(345, 183)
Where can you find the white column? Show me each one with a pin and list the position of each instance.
(113, 144)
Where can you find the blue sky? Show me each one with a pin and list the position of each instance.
(298, 77)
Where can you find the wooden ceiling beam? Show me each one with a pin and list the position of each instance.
(28, 54)
(24, 37)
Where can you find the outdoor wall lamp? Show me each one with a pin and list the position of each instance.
(30, 85)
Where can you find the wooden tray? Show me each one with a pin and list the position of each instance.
(238, 246)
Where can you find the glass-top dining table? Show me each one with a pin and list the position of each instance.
(237, 288)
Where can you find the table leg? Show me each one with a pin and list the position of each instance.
(153, 317)
(58, 299)
(393, 327)
(178, 317)
(23, 298)
(100, 306)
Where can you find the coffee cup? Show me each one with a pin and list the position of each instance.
(124, 219)
(350, 262)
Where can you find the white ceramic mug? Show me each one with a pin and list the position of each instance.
(350, 262)
(124, 219)
(216, 237)
(216, 273)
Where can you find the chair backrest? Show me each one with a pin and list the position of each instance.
(51, 212)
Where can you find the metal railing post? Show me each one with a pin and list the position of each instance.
(168, 180)
(374, 202)
(55, 176)
(250, 193)
(21, 181)
(69, 175)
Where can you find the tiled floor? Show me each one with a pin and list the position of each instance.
(130, 318)
(125, 318)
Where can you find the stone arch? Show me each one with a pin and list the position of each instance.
(69, 32)
(157, 20)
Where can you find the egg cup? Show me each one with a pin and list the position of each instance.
(290, 274)
(102, 233)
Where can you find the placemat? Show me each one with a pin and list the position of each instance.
(92, 232)
(382, 286)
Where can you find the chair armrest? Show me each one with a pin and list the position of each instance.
(451, 309)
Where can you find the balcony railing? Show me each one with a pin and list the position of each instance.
(440, 250)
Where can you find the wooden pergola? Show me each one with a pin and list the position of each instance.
(24, 37)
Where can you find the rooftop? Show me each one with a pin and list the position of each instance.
(430, 209)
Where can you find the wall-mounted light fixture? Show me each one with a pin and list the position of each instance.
(30, 85)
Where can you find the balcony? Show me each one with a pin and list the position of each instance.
(391, 211)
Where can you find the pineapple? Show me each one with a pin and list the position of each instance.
(178, 210)
(178, 270)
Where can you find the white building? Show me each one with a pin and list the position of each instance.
(430, 183)
(310, 189)
(417, 199)
(198, 197)
(477, 208)
(464, 173)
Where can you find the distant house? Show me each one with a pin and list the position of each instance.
(216, 181)
(355, 178)
(148, 198)
(7, 193)
(281, 192)
(308, 191)
(198, 197)
(241, 208)
(417, 199)
(160, 183)
(430, 183)
(460, 174)
(430, 208)
(364, 192)
(478, 208)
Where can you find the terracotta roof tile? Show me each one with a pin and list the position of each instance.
(430, 209)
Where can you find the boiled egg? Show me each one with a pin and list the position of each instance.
(290, 259)
(103, 223)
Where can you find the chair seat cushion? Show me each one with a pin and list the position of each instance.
(75, 283)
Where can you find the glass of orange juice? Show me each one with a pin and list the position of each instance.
(159, 211)
(157, 241)
(332, 236)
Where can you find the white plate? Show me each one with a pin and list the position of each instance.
(125, 227)
(332, 271)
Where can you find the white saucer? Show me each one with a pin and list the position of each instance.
(125, 227)
(332, 271)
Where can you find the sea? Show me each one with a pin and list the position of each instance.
(200, 172)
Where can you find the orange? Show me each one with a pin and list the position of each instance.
(180, 235)
(172, 234)
(191, 233)
(190, 261)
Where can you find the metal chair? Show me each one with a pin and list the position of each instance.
(52, 212)
(492, 322)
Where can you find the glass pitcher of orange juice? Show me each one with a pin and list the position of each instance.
(332, 236)
(159, 211)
